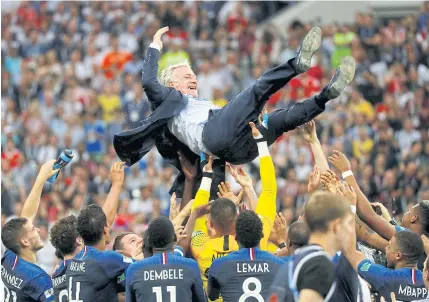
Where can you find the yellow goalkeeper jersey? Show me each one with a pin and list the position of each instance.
(206, 249)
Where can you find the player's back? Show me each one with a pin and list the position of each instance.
(244, 275)
(205, 250)
(406, 283)
(95, 276)
(24, 281)
(164, 277)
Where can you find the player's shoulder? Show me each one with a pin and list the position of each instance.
(62, 268)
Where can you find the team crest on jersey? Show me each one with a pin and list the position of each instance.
(365, 267)
(199, 239)
(49, 293)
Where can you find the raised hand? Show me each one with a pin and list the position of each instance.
(384, 212)
(308, 131)
(278, 233)
(158, 35)
(117, 173)
(189, 169)
(240, 177)
(330, 181)
(339, 161)
(225, 191)
(209, 166)
(347, 191)
(174, 207)
(314, 180)
(46, 170)
(255, 131)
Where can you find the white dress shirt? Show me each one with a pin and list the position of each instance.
(188, 126)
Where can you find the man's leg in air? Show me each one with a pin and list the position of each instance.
(284, 120)
(227, 125)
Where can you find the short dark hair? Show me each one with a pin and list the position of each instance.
(147, 249)
(64, 234)
(12, 232)
(324, 207)
(424, 216)
(299, 233)
(160, 232)
(410, 245)
(58, 254)
(91, 223)
(248, 229)
(223, 213)
(117, 245)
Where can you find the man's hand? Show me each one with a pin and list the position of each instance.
(278, 233)
(240, 177)
(255, 131)
(330, 181)
(188, 168)
(347, 191)
(392, 298)
(308, 131)
(158, 35)
(225, 191)
(340, 161)
(209, 166)
(314, 180)
(174, 208)
(117, 174)
(202, 209)
(46, 171)
(384, 212)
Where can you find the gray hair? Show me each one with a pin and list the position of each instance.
(166, 75)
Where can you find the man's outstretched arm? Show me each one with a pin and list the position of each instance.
(364, 209)
(31, 204)
(110, 207)
(155, 92)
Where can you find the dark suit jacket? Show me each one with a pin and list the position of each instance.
(166, 103)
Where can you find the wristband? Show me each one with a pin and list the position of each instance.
(208, 174)
(347, 174)
(353, 207)
(282, 245)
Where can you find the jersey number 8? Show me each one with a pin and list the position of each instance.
(254, 293)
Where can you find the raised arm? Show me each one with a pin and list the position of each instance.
(203, 195)
(266, 207)
(31, 204)
(364, 208)
(110, 207)
(245, 181)
(155, 92)
(310, 135)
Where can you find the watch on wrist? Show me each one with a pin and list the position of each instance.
(393, 222)
(282, 245)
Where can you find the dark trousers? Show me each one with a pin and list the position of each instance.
(227, 133)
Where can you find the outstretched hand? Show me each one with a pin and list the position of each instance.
(189, 169)
(225, 191)
(209, 166)
(339, 161)
(330, 181)
(240, 177)
(314, 180)
(158, 35)
(308, 131)
(255, 131)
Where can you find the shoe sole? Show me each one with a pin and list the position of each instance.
(347, 72)
(309, 45)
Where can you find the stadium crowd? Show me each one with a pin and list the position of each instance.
(71, 79)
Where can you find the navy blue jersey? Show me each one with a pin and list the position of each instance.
(59, 279)
(164, 277)
(310, 268)
(243, 275)
(348, 284)
(406, 283)
(96, 276)
(24, 281)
